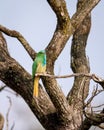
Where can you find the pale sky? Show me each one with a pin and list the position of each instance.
(36, 21)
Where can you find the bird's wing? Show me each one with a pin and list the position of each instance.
(34, 67)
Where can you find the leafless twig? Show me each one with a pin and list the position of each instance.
(98, 106)
(8, 112)
(12, 127)
(64, 76)
(2, 87)
(8, 90)
(97, 111)
(95, 93)
(94, 77)
(12, 92)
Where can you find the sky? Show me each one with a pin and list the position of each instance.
(36, 21)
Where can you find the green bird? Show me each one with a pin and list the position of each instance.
(39, 66)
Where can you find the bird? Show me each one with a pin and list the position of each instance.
(38, 67)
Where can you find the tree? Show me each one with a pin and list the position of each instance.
(52, 108)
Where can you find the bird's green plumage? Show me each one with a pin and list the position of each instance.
(39, 64)
(40, 59)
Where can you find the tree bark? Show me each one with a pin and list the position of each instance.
(52, 108)
(1, 122)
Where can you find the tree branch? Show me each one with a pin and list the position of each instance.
(92, 76)
(63, 29)
(62, 33)
(79, 62)
(2, 88)
(95, 93)
(82, 12)
(99, 80)
(22, 40)
(56, 45)
(19, 80)
(96, 118)
(98, 106)
(93, 118)
(8, 112)
(16, 77)
(1, 122)
(101, 126)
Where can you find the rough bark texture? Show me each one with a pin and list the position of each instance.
(1, 122)
(79, 64)
(52, 108)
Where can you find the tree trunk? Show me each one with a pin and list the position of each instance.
(52, 108)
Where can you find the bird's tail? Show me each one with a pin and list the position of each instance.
(36, 89)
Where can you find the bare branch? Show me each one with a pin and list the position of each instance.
(63, 29)
(12, 127)
(1, 122)
(95, 93)
(97, 118)
(98, 106)
(64, 76)
(22, 40)
(79, 61)
(88, 123)
(98, 79)
(56, 45)
(2, 87)
(59, 7)
(22, 82)
(3, 43)
(18, 79)
(101, 126)
(91, 76)
(8, 112)
(93, 119)
(12, 92)
(83, 11)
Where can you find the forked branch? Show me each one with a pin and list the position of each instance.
(22, 83)
(82, 12)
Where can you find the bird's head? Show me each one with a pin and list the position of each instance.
(42, 52)
(42, 56)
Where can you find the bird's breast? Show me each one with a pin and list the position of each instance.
(41, 68)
